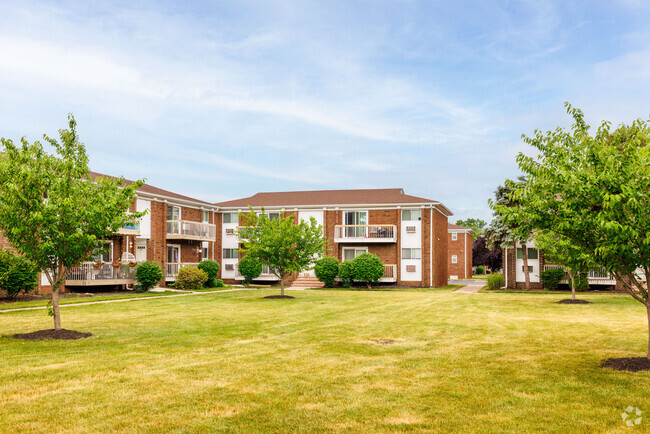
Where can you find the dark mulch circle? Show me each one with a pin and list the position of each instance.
(42, 335)
(571, 301)
(632, 364)
(278, 296)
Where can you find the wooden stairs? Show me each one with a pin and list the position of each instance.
(307, 282)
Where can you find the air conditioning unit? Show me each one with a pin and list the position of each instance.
(230, 231)
(410, 268)
(410, 229)
(229, 267)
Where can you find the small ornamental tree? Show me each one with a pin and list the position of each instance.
(211, 268)
(17, 274)
(593, 190)
(148, 274)
(53, 212)
(368, 269)
(281, 244)
(250, 268)
(326, 270)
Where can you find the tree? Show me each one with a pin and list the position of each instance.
(482, 255)
(326, 270)
(504, 233)
(285, 247)
(476, 225)
(17, 274)
(562, 251)
(368, 269)
(595, 192)
(53, 212)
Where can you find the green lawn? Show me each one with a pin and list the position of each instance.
(80, 299)
(235, 362)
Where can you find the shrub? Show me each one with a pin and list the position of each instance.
(495, 281)
(250, 268)
(218, 283)
(190, 278)
(17, 273)
(346, 273)
(551, 278)
(211, 268)
(368, 268)
(480, 269)
(582, 281)
(326, 270)
(148, 274)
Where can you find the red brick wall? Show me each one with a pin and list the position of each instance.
(440, 249)
(462, 248)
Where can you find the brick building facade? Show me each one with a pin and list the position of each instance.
(460, 252)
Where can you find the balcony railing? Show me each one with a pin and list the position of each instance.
(132, 229)
(172, 268)
(390, 273)
(92, 273)
(186, 230)
(594, 277)
(365, 233)
(265, 275)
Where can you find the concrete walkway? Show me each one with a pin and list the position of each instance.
(471, 286)
(185, 294)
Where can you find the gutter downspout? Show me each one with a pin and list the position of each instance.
(465, 271)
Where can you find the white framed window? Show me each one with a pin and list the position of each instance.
(206, 216)
(355, 222)
(411, 214)
(230, 253)
(230, 217)
(104, 253)
(173, 253)
(454, 259)
(173, 212)
(413, 253)
(349, 253)
(454, 236)
(274, 215)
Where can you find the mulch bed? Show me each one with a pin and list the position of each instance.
(632, 364)
(42, 335)
(278, 296)
(571, 301)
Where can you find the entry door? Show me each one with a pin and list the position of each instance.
(140, 250)
(173, 254)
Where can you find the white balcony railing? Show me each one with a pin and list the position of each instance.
(92, 273)
(594, 277)
(365, 233)
(132, 229)
(265, 275)
(172, 268)
(186, 230)
(390, 273)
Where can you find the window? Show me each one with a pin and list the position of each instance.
(351, 253)
(206, 216)
(230, 217)
(173, 212)
(454, 259)
(173, 254)
(532, 253)
(411, 214)
(530, 268)
(411, 253)
(274, 215)
(454, 236)
(204, 250)
(230, 253)
(356, 222)
(104, 253)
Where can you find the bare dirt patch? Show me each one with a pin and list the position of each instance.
(42, 335)
(632, 364)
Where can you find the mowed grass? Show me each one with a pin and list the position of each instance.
(236, 362)
(82, 299)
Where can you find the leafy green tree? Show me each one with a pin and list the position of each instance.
(212, 270)
(564, 252)
(53, 212)
(250, 268)
(326, 270)
(285, 247)
(17, 274)
(476, 225)
(593, 190)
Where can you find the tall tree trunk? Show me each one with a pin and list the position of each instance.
(55, 308)
(524, 250)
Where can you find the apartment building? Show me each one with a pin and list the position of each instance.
(460, 252)
(176, 231)
(408, 233)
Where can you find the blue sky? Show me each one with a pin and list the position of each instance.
(220, 100)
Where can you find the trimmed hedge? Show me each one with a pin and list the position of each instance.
(17, 274)
(211, 268)
(148, 274)
(326, 270)
(346, 273)
(190, 278)
(495, 281)
(480, 269)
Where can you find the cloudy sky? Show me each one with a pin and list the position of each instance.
(222, 99)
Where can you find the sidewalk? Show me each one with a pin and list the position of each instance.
(471, 286)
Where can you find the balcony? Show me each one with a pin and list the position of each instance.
(365, 234)
(132, 229)
(95, 274)
(265, 275)
(594, 277)
(186, 230)
(171, 270)
(390, 273)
